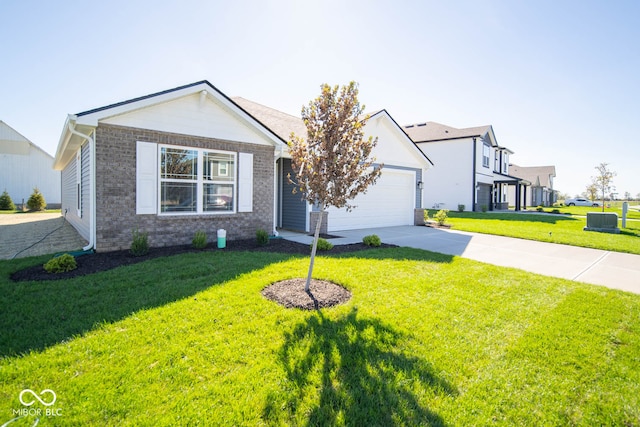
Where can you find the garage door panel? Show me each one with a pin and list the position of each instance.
(389, 202)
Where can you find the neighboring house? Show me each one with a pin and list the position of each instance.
(190, 158)
(541, 178)
(25, 166)
(471, 168)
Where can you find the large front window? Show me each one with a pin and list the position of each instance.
(196, 180)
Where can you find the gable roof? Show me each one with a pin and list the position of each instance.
(432, 131)
(13, 142)
(534, 174)
(84, 122)
(283, 124)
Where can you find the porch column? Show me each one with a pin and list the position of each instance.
(517, 197)
(525, 197)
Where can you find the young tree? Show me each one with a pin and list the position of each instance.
(603, 181)
(334, 163)
(36, 201)
(6, 204)
(591, 192)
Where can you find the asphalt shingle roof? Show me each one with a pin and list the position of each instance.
(534, 174)
(432, 131)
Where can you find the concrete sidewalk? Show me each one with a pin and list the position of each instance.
(612, 269)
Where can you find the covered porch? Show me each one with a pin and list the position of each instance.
(501, 193)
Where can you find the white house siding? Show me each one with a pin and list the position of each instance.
(450, 181)
(70, 193)
(24, 166)
(390, 202)
(192, 115)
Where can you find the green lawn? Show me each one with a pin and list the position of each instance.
(564, 229)
(427, 339)
(582, 210)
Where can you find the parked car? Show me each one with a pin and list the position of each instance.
(581, 202)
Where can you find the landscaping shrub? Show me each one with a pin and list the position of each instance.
(539, 208)
(323, 245)
(484, 208)
(6, 204)
(460, 208)
(199, 240)
(61, 264)
(555, 211)
(140, 243)
(262, 237)
(372, 240)
(441, 216)
(36, 201)
(426, 216)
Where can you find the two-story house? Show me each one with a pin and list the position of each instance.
(471, 169)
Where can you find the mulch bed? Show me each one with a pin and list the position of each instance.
(102, 261)
(291, 294)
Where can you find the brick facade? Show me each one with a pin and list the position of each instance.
(116, 192)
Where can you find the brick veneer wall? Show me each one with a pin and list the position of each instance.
(116, 192)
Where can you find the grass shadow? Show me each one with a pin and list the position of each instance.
(36, 315)
(398, 254)
(352, 371)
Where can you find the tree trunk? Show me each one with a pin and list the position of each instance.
(316, 235)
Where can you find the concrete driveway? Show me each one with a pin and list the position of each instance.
(29, 234)
(612, 269)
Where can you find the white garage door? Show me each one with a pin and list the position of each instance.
(387, 203)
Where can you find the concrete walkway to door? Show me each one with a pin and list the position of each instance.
(612, 269)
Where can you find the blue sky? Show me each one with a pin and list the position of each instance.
(558, 80)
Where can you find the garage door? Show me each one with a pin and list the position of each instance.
(387, 203)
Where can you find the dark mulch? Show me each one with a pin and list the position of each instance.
(291, 294)
(102, 261)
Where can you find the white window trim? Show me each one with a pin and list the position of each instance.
(199, 181)
(486, 163)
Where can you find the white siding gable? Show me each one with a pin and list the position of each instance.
(195, 114)
(393, 148)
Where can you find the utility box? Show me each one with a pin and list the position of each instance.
(222, 238)
(604, 222)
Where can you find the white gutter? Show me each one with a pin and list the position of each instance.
(92, 181)
(276, 206)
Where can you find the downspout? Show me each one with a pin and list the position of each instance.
(276, 196)
(473, 180)
(92, 183)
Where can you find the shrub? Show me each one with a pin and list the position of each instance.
(460, 208)
(539, 208)
(199, 240)
(323, 244)
(372, 240)
(6, 204)
(36, 201)
(426, 216)
(140, 243)
(555, 211)
(441, 216)
(61, 264)
(262, 237)
(483, 208)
